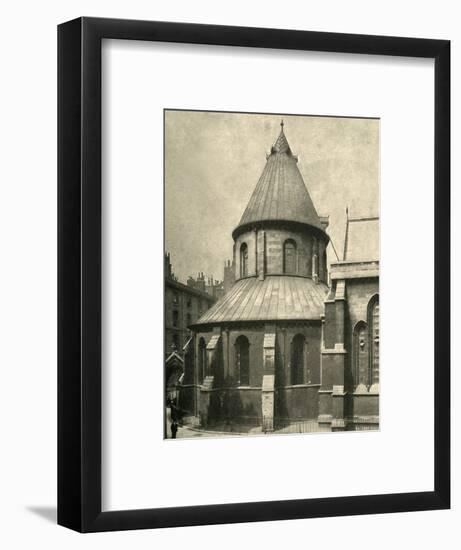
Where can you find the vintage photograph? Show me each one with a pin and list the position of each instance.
(271, 274)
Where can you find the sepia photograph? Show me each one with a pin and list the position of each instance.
(271, 274)
(239, 210)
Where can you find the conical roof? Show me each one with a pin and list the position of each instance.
(280, 193)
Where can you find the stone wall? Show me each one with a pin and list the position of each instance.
(265, 252)
(343, 404)
(359, 294)
(296, 401)
(285, 335)
(255, 338)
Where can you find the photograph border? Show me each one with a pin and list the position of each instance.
(282, 116)
(79, 274)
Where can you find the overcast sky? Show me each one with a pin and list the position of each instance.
(213, 162)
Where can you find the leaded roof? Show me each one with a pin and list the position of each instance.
(280, 193)
(276, 298)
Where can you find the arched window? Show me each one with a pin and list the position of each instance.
(244, 260)
(242, 360)
(361, 354)
(201, 360)
(297, 359)
(290, 259)
(373, 325)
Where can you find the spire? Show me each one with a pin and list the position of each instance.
(280, 193)
(281, 145)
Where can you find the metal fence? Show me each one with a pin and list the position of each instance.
(298, 425)
(252, 425)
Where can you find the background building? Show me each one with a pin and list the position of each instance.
(184, 304)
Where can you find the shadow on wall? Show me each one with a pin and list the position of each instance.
(280, 405)
(227, 409)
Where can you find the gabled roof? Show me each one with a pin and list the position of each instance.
(280, 193)
(174, 366)
(361, 242)
(277, 297)
(174, 358)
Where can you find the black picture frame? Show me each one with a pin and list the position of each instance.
(79, 274)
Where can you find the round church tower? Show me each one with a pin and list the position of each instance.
(280, 232)
(257, 350)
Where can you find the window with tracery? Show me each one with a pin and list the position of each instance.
(361, 370)
(373, 322)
